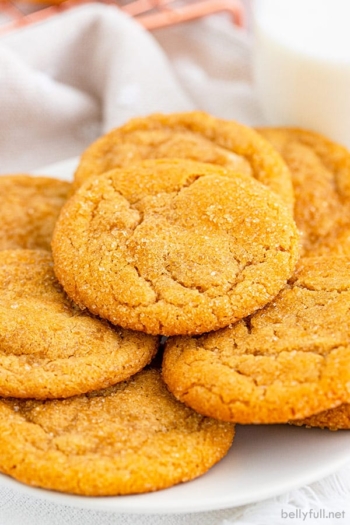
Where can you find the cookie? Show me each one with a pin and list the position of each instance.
(193, 135)
(334, 419)
(288, 361)
(29, 209)
(174, 246)
(48, 347)
(321, 179)
(130, 438)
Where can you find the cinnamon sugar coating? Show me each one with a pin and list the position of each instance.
(29, 209)
(193, 135)
(287, 361)
(131, 438)
(320, 172)
(50, 348)
(174, 246)
(334, 419)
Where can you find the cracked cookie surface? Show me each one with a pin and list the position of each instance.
(174, 246)
(131, 438)
(288, 361)
(320, 172)
(29, 209)
(194, 135)
(50, 348)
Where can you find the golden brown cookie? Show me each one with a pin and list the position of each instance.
(321, 179)
(29, 209)
(50, 348)
(288, 361)
(334, 419)
(130, 438)
(193, 135)
(174, 246)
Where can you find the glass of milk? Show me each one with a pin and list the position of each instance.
(301, 64)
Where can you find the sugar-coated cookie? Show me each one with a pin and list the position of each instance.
(131, 438)
(50, 348)
(334, 419)
(320, 172)
(174, 246)
(193, 135)
(29, 209)
(288, 361)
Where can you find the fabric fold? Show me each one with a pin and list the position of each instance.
(67, 80)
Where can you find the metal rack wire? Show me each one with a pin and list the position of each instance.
(152, 14)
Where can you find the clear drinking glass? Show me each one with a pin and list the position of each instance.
(301, 64)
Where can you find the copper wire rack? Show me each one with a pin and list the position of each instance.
(152, 14)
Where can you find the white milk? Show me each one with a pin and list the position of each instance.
(302, 64)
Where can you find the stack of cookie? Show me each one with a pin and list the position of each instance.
(183, 226)
(80, 411)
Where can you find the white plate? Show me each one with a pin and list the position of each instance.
(62, 170)
(264, 461)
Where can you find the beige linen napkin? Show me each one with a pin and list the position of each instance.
(68, 79)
